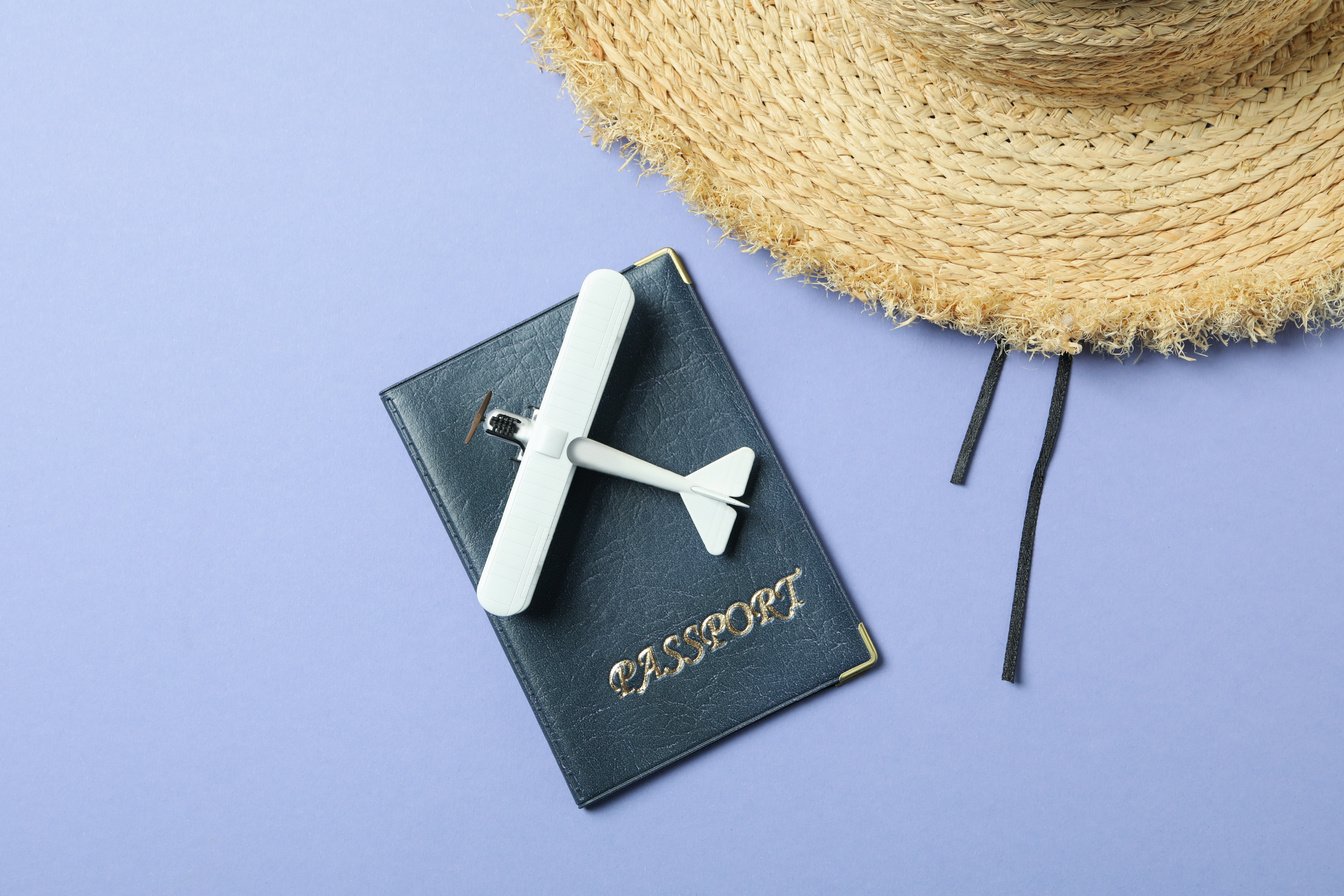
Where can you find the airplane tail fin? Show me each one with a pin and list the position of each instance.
(711, 499)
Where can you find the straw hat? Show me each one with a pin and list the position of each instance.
(1049, 173)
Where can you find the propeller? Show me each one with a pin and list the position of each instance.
(480, 415)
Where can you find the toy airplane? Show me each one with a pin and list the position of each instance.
(555, 441)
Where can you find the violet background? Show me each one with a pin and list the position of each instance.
(239, 655)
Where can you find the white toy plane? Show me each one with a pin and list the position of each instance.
(555, 441)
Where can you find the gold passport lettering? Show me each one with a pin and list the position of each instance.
(681, 650)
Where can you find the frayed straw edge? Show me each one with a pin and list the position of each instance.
(1184, 323)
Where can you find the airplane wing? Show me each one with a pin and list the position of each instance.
(577, 381)
(524, 535)
(587, 353)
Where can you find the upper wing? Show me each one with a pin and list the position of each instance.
(524, 534)
(587, 353)
(572, 395)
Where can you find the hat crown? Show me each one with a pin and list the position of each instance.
(1103, 48)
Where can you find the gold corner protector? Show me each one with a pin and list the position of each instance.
(676, 260)
(866, 664)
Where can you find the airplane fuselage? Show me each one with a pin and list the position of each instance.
(535, 435)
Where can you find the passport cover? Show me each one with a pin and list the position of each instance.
(639, 647)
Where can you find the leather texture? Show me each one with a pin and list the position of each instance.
(626, 568)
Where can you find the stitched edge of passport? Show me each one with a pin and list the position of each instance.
(543, 717)
(524, 679)
(390, 404)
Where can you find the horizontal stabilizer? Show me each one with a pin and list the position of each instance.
(713, 520)
(714, 487)
(728, 475)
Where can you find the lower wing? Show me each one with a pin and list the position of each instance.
(524, 534)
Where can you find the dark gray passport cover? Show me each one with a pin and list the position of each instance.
(626, 569)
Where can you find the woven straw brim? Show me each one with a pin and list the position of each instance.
(1159, 221)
